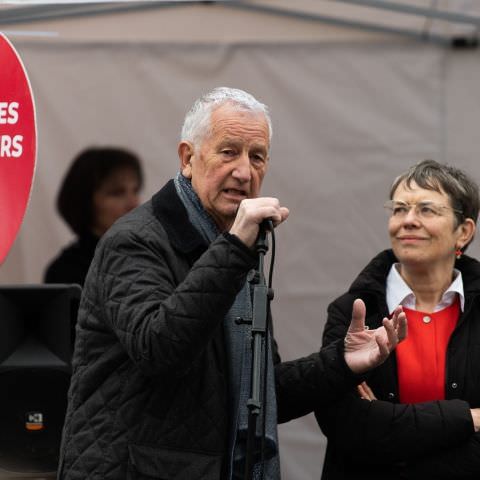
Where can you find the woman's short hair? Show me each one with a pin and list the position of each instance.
(196, 125)
(460, 187)
(89, 169)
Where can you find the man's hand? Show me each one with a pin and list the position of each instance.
(366, 349)
(252, 212)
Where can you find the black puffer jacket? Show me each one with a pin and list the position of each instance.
(148, 397)
(386, 440)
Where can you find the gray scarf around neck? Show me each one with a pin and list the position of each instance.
(238, 340)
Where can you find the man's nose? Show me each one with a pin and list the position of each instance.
(242, 170)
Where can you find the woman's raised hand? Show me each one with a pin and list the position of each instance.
(366, 349)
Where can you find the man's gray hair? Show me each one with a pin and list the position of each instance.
(197, 125)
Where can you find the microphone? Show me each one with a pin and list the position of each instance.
(266, 225)
(261, 244)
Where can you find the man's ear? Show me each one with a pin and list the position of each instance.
(185, 154)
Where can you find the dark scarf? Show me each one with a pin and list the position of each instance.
(237, 339)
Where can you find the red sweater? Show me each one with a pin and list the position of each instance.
(421, 357)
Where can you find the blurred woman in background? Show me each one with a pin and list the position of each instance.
(101, 185)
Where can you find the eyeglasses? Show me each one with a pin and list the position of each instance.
(424, 210)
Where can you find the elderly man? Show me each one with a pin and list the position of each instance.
(160, 369)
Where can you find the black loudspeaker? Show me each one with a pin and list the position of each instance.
(36, 343)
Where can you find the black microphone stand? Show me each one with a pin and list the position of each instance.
(261, 294)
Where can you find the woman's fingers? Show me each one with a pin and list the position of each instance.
(396, 328)
(402, 329)
(366, 392)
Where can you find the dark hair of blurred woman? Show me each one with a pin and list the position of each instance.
(101, 185)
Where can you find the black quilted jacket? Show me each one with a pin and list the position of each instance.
(385, 440)
(148, 396)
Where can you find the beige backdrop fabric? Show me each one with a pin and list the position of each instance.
(347, 119)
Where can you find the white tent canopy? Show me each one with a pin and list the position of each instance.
(440, 21)
(352, 107)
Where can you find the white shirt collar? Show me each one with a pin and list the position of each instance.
(399, 293)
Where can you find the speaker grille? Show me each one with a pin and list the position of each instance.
(32, 411)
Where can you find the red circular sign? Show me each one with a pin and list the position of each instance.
(18, 144)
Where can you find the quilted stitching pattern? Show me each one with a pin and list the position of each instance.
(149, 362)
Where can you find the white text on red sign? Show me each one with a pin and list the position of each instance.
(10, 146)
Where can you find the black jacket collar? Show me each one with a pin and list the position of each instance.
(374, 276)
(172, 214)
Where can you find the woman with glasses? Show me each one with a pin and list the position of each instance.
(417, 416)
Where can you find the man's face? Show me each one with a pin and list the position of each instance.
(230, 163)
